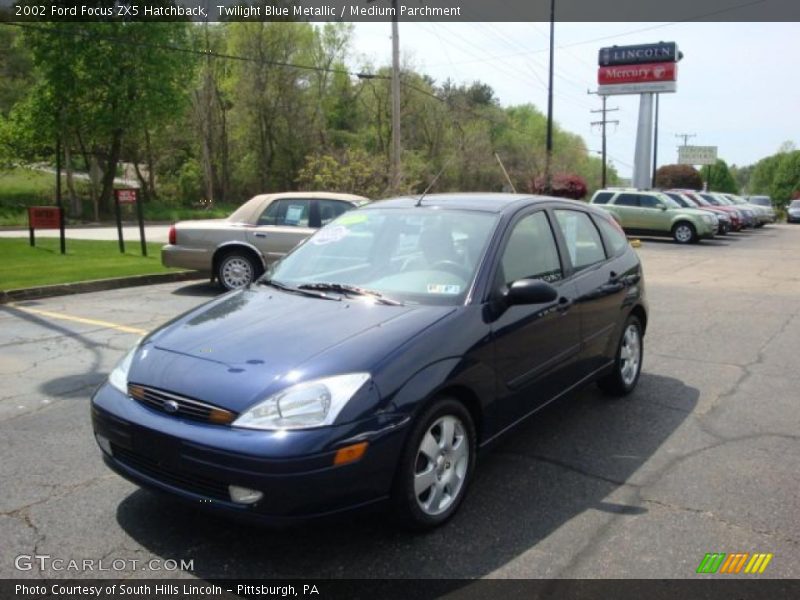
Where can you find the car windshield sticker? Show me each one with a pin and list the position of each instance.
(293, 214)
(443, 288)
(329, 235)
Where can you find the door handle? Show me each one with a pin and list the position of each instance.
(260, 235)
(564, 304)
(613, 277)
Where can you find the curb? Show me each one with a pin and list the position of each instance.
(97, 285)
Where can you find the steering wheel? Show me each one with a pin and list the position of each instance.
(451, 266)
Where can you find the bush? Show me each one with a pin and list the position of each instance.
(678, 176)
(563, 185)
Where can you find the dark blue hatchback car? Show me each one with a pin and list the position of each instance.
(375, 360)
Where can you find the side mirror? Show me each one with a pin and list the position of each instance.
(662, 206)
(531, 291)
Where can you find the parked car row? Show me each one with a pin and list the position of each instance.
(687, 216)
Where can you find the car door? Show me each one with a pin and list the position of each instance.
(283, 224)
(535, 346)
(599, 282)
(653, 213)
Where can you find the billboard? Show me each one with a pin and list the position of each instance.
(697, 155)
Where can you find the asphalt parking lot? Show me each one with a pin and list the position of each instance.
(703, 457)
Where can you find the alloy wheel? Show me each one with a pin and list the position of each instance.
(441, 465)
(630, 354)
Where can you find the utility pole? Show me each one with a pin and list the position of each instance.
(548, 177)
(655, 145)
(604, 111)
(395, 173)
(685, 137)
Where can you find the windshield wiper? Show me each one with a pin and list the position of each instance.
(351, 290)
(297, 290)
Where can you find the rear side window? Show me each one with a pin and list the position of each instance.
(602, 197)
(287, 212)
(627, 200)
(679, 199)
(614, 236)
(584, 243)
(531, 252)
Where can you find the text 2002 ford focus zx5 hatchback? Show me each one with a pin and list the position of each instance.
(373, 361)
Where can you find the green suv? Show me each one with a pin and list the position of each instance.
(654, 213)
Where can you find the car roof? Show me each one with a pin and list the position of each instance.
(476, 201)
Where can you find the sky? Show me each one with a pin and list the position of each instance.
(738, 84)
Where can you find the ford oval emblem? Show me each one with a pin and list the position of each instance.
(171, 406)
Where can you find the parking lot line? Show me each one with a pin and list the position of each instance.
(74, 319)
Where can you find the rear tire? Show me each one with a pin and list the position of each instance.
(684, 232)
(436, 466)
(237, 269)
(627, 362)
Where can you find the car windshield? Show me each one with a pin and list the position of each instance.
(795, 204)
(681, 200)
(415, 255)
(735, 199)
(760, 200)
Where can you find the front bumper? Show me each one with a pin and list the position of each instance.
(196, 462)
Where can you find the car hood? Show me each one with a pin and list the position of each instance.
(248, 344)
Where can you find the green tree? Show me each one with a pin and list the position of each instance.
(786, 181)
(721, 179)
(99, 84)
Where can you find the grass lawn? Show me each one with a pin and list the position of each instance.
(22, 266)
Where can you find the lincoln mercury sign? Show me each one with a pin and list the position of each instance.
(697, 155)
(648, 68)
(635, 55)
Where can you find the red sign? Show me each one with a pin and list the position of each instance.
(645, 73)
(44, 217)
(126, 196)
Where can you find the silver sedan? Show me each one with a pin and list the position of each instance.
(236, 250)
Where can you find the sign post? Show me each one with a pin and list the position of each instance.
(130, 196)
(119, 222)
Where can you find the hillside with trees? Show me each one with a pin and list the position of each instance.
(216, 113)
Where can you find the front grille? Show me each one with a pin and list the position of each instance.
(196, 484)
(181, 406)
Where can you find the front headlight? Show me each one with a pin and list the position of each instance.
(310, 404)
(708, 219)
(119, 376)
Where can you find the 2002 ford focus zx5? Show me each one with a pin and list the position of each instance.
(375, 360)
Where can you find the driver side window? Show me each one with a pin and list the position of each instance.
(531, 251)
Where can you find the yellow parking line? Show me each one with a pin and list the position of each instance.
(74, 319)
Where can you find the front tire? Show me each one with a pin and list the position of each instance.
(684, 233)
(436, 466)
(237, 269)
(628, 361)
